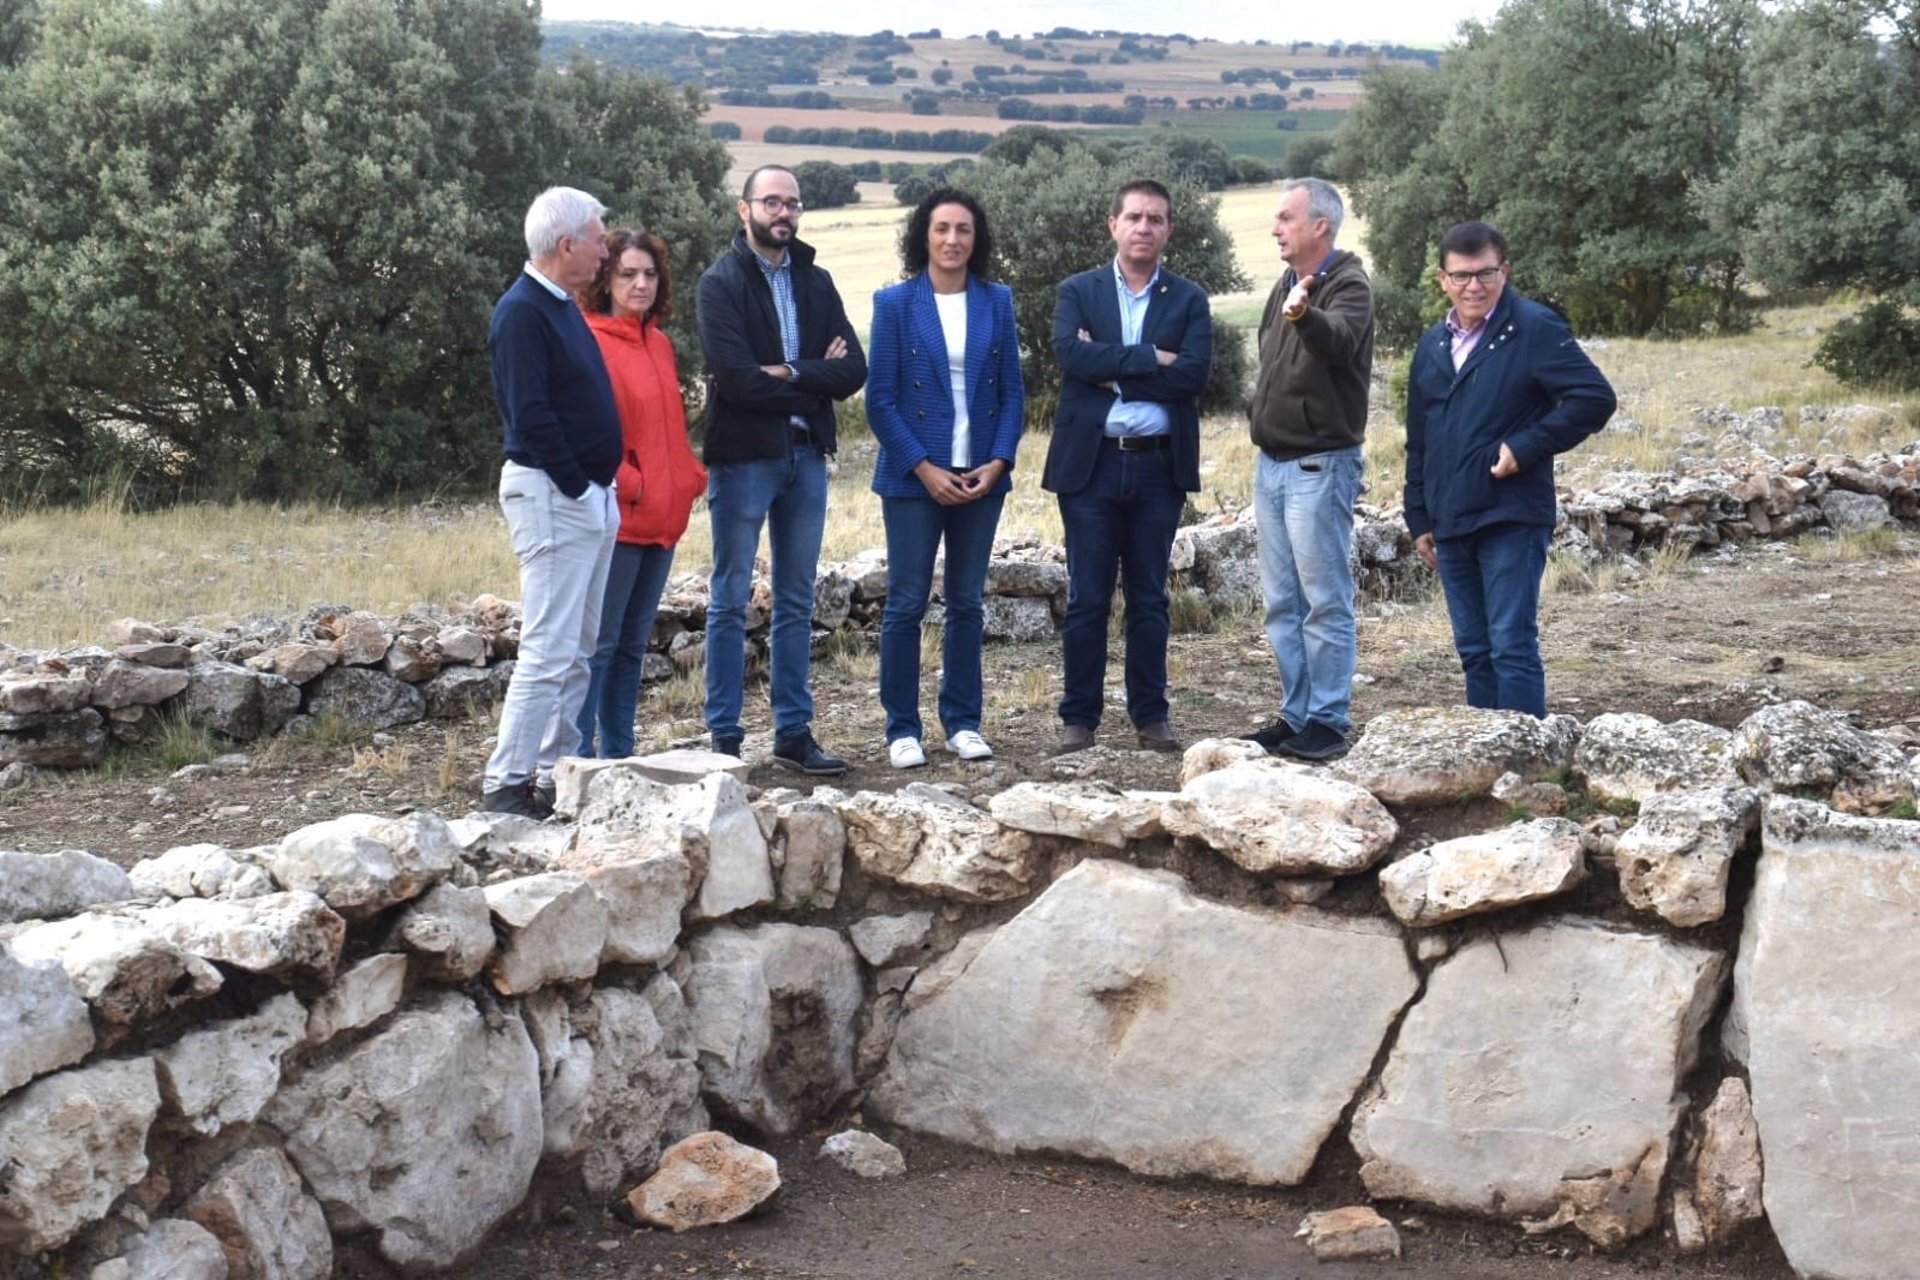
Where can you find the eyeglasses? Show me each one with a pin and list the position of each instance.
(1486, 276)
(773, 205)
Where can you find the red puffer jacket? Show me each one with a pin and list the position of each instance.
(659, 478)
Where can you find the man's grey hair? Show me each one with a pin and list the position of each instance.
(559, 212)
(1322, 202)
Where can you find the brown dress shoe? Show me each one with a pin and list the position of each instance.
(1075, 737)
(1158, 737)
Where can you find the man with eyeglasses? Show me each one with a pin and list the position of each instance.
(779, 352)
(1497, 389)
(1308, 416)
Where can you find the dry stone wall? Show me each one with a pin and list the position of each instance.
(228, 1062)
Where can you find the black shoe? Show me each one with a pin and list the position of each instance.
(543, 797)
(1272, 736)
(801, 752)
(517, 798)
(727, 747)
(1318, 741)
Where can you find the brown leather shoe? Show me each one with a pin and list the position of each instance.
(1075, 737)
(1158, 737)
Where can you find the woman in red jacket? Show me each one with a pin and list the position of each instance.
(658, 480)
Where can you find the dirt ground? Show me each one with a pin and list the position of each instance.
(1711, 640)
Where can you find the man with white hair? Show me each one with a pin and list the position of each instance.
(562, 443)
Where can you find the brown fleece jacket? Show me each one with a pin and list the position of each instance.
(1311, 392)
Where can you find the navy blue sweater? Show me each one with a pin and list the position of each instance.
(552, 388)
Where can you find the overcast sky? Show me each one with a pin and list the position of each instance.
(1402, 21)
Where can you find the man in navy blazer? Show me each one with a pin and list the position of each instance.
(1496, 390)
(1135, 343)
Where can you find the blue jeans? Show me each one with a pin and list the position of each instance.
(789, 496)
(1124, 519)
(1304, 507)
(635, 578)
(915, 528)
(1492, 581)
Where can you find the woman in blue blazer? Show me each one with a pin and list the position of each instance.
(946, 403)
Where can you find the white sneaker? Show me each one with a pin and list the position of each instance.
(969, 745)
(905, 753)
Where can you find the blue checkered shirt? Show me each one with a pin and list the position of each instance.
(780, 280)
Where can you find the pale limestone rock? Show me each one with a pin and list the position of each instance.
(295, 661)
(134, 684)
(45, 1026)
(808, 845)
(199, 871)
(772, 1009)
(463, 645)
(361, 863)
(863, 1155)
(70, 1144)
(1121, 1017)
(47, 886)
(645, 901)
(1473, 874)
(927, 840)
(1628, 756)
(1833, 1052)
(1539, 1076)
(133, 631)
(1796, 746)
(885, 940)
(1209, 754)
(427, 1133)
(1096, 812)
(156, 654)
(168, 1250)
(283, 935)
(1724, 1193)
(359, 997)
(1676, 859)
(39, 693)
(708, 823)
(226, 1073)
(704, 1180)
(451, 928)
(1270, 816)
(570, 778)
(1353, 1233)
(1435, 755)
(129, 972)
(414, 661)
(1538, 799)
(362, 639)
(238, 702)
(511, 840)
(268, 1226)
(554, 928)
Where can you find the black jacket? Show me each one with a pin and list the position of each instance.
(748, 411)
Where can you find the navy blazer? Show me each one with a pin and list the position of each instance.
(910, 386)
(1528, 385)
(1177, 320)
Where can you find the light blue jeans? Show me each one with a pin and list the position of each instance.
(563, 545)
(1304, 507)
(635, 579)
(789, 496)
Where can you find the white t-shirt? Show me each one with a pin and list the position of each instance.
(953, 323)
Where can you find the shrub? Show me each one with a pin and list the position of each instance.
(826, 185)
(1879, 345)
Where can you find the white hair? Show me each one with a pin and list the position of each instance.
(556, 213)
(1322, 202)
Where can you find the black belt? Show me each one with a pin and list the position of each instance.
(1136, 444)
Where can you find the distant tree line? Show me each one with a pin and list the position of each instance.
(967, 140)
(805, 100)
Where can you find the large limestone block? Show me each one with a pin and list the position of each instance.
(240, 703)
(268, 1226)
(1796, 746)
(38, 693)
(168, 1250)
(1833, 1030)
(70, 1144)
(135, 684)
(1627, 756)
(1282, 819)
(809, 848)
(773, 1009)
(460, 692)
(46, 1024)
(360, 997)
(199, 871)
(928, 840)
(1539, 1078)
(47, 886)
(1121, 1016)
(1677, 858)
(1472, 874)
(296, 662)
(553, 929)
(361, 863)
(128, 971)
(1096, 812)
(1208, 754)
(1435, 755)
(227, 1073)
(679, 766)
(283, 935)
(427, 1133)
(628, 816)
(451, 928)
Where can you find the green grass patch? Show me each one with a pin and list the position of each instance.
(1242, 133)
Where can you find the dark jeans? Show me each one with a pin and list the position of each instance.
(915, 529)
(1124, 520)
(635, 579)
(1492, 581)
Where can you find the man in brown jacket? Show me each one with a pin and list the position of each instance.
(1309, 413)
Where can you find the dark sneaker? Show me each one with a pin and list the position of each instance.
(1273, 735)
(515, 798)
(1318, 741)
(727, 747)
(543, 797)
(1157, 737)
(801, 752)
(1075, 737)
